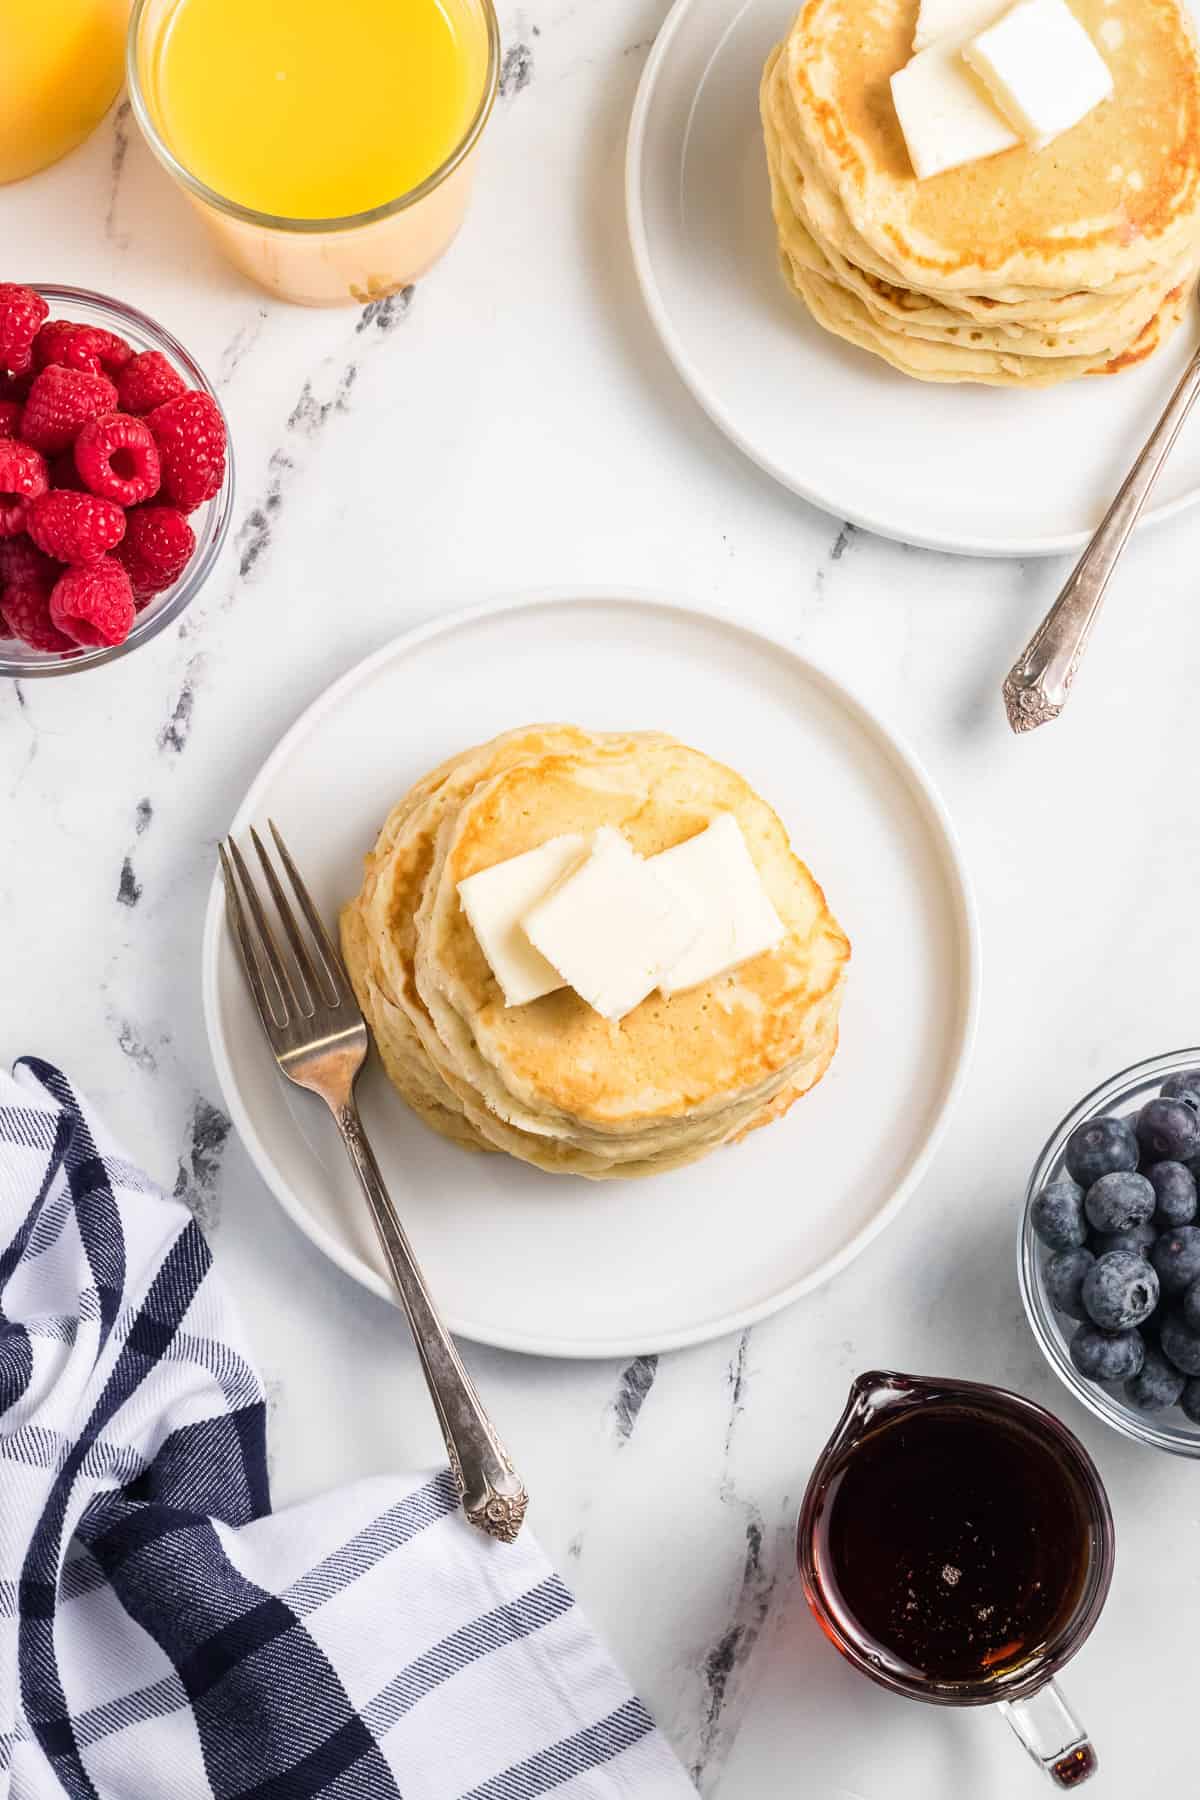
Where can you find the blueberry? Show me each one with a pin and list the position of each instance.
(1180, 1344)
(1057, 1215)
(1063, 1275)
(1168, 1130)
(1136, 1237)
(1099, 1147)
(1190, 1400)
(1175, 1188)
(1176, 1258)
(1107, 1355)
(1120, 1290)
(1157, 1383)
(1185, 1087)
(1189, 1308)
(1119, 1200)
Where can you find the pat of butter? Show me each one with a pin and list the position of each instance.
(1041, 68)
(612, 926)
(496, 900)
(945, 116)
(957, 19)
(716, 874)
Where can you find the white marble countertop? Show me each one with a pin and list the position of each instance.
(513, 423)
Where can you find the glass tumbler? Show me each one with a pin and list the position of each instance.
(325, 262)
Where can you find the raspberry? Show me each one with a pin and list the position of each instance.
(10, 417)
(94, 603)
(118, 457)
(74, 528)
(71, 346)
(60, 402)
(26, 578)
(21, 561)
(148, 381)
(156, 549)
(114, 351)
(26, 612)
(190, 434)
(15, 387)
(22, 478)
(21, 313)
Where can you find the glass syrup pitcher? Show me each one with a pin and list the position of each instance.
(956, 1545)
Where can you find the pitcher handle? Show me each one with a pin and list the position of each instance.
(1053, 1736)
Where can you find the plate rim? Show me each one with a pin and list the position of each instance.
(1045, 544)
(952, 858)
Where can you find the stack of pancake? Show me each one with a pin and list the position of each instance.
(1021, 269)
(553, 1082)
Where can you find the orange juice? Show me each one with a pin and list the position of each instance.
(304, 109)
(60, 68)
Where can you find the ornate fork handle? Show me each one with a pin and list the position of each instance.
(493, 1495)
(1038, 685)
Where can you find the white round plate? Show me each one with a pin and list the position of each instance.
(986, 471)
(564, 1267)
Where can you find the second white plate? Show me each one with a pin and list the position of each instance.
(565, 1267)
(989, 472)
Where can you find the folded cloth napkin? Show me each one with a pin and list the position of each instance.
(162, 1631)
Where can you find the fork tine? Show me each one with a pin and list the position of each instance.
(331, 961)
(304, 963)
(243, 937)
(266, 937)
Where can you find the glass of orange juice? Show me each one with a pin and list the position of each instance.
(60, 69)
(330, 148)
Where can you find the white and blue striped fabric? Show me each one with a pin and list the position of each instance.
(163, 1633)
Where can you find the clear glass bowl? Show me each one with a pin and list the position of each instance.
(1125, 1093)
(209, 522)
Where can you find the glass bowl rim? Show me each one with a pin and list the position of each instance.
(214, 531)
(249, 215)
(1138, 1427)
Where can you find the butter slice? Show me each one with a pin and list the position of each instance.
(715, 873)
(1041, 68)
(496, 900)
(956, 19)
(612, 927)
(946, 117)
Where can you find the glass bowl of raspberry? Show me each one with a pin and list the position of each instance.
(116, 479)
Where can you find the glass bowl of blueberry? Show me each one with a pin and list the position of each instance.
(1109, 1252)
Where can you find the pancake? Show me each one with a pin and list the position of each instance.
(1020, 270)
(553, 1083)
(1098, 326)
(841, 313)
(817, 200)
(667, 1060)
(1117, 194)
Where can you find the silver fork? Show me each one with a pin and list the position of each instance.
(315, 1028)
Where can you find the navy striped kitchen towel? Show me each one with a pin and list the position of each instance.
(163, 1632)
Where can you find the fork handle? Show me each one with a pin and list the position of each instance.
(1038, 685)
(493, 1494)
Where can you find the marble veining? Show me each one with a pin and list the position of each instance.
(512, 424)
(174, 734)
(129, 888)
(198, 1181)
(516, 70)
(637, 1378)
(120, 150)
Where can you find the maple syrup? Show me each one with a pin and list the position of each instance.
(953, 1544)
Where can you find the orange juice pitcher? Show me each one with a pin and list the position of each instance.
(60, 71)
